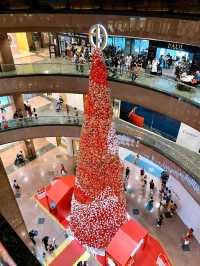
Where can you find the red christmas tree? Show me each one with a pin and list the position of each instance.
(98, 204)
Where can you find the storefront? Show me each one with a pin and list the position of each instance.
(130, 45)
(153, 121)
(40, 40)
(61, 41)
(5, 100)
(19, 44)
(169, 55)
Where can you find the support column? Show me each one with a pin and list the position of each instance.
(19, 103)
(84, 101)
(29, 148)
(58, 141)
(6, 57)
(30, 41)
(9, 207)
(75, 148)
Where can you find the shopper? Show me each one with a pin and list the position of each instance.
(76, 61)
(16, 186)
(160, 220)
(63, 171)
(54, 243)
(29, 111)
(45, 241)
(133, 74)
(50, 248)
(32, 234)
(127, 173)
(149, 205)
(137, 158)
(186, 240)
(35, 113)
(173, 209)
(16, 115)
(144, 185)
(151, 186)
(164, 178)
(141, 172)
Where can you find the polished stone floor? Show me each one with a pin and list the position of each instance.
(41, 171)
(41, 63)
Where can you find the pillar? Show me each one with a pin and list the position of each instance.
(6, 57)
(75, 148)
(29, 149)
(19, 103)
(9, 207)
(58, 141)
(30, 41)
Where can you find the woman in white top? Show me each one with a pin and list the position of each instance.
(154, 68)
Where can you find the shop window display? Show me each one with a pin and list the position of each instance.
(161, 124)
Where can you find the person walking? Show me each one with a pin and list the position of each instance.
(16, 187)
(149, 205)
(144, 181)
(160, 220)
(32, 234)
(127, 173)
(45, 241)
(63, 171)
(186, 240)
(35, 113)
(151, 186)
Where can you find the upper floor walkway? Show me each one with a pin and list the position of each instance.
(70, 126)
(157, 93)
(61, 66)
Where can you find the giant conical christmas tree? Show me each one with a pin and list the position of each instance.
(98, 204)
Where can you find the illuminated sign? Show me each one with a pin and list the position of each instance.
(175, 46)
(98, 34)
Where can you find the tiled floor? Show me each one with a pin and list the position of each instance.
(46, 65)
(32, 177)
(40, 172)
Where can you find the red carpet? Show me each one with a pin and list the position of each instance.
(69, 255)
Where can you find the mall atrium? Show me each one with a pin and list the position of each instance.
(99, 133)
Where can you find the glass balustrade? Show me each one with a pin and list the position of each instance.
(158, 83)
(185, 158)
(41, 120)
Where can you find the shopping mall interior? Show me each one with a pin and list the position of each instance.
(99, 133)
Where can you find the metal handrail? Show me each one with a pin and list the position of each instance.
(47, 68)
(40, 120)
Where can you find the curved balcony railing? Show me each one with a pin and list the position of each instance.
(157, 83)
(40, 121)
(186, 159)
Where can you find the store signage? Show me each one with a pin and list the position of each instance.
(98, 36)
(175, 46)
